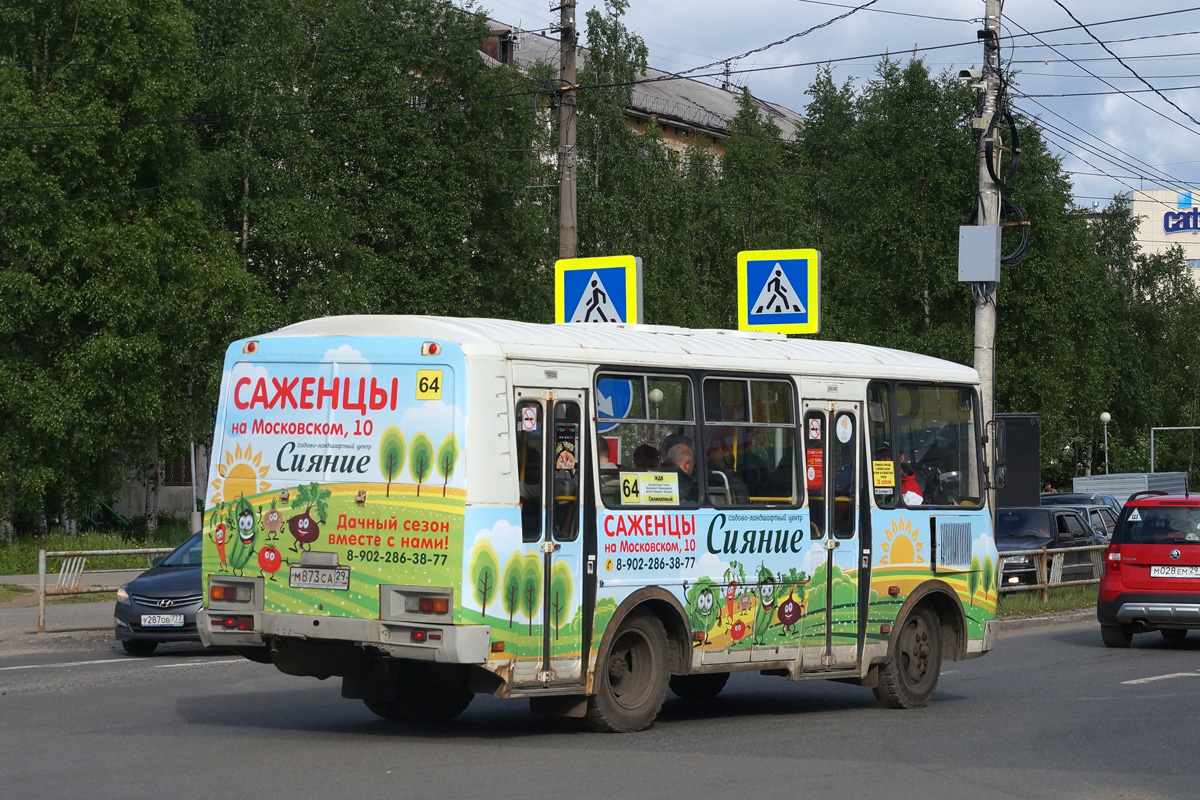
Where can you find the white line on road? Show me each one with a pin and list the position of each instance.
(1162, 678)
(118, 661)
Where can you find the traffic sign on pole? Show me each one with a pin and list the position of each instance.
(779, 290)
(605, 289)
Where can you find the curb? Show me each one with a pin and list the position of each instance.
(1044, 620)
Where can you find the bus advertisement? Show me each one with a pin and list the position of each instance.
(587, 516)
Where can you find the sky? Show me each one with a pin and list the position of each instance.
(1112, 123)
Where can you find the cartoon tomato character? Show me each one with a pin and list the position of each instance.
(269, 560)
(737, 631)
(219, 540)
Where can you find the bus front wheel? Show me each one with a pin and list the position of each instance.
(631, 678)
(910, 674)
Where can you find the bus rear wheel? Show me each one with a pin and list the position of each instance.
(910, 674)
(631, 678)
(699, 687)
(423, 696)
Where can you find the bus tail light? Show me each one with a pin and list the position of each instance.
(427, 604)
(227, 593)
(431, 349)
(233, 623)
(422, 636)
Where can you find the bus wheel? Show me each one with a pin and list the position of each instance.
(908, 677)
(423, 696)
(699, 687)
(631, 678)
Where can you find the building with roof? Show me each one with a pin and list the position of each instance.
(1167, 217)
(688, 111)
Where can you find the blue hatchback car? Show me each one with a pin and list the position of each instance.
(160, 604)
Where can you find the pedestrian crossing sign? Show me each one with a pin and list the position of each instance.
(779, 290)
(605, 289)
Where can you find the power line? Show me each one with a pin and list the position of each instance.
(1123, 64)
(885, 11)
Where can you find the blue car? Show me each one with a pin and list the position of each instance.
(160, 604)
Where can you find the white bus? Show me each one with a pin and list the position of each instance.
(588, 515)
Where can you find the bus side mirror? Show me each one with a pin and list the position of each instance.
(999, 450)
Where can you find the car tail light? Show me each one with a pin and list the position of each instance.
(1112, 558)
(225, 593)
(427, 604)
(231, 623)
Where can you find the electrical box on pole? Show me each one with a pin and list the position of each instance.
(979, 253)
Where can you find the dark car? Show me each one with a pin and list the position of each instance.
(1034, 527)
(160, 604)
(1151, 579)
(1081, 499)
(1102, 519)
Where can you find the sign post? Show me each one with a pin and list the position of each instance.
(779, 290)
(605, 289)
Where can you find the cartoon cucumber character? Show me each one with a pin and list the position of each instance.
(702, 609)
(242, 515)
(766, 603)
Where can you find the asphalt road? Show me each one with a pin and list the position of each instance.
(1050, 714)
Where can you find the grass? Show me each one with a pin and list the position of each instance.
(1064, 598)
(10, 590)
(20, 557)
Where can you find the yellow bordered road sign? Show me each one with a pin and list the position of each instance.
(779, 290)
(604, 289)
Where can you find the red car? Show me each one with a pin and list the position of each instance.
(1151, 579)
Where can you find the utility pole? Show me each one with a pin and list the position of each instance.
(567, 238)
(988, 214)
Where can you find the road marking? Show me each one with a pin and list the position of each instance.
(117, 661)
(1162, 678)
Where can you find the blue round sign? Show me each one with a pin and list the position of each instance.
(614, 398)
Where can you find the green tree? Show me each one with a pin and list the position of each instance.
(420, 459)
(561, 587)
(511, 580)
(989, 573)
(973, 577)
(447, 458)
(485, 574)
(531, 586)
(391, 455)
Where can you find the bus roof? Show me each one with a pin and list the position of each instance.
(639, 345)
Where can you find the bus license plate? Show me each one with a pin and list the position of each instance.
(162, 620)
(1175, 571)
(302, 577)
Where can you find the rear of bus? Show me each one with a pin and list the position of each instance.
(333, 524)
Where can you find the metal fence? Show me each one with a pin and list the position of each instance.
(1048, 567)
(74, 567)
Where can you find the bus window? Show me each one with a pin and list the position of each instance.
(884, 475)
(530, 426)
(843, 455)
(814, 456)
(567, 454)
(749, 442)
(649, 422)
(936, 434)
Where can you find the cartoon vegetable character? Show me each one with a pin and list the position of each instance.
(702, 610)
(303, 527)
(272, 520)
(269, 560)
(737, 631)
(731, 585)
(218, 538)
(242, 515)
(766, 603)
(789, 613)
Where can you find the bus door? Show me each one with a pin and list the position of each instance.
(832, 443)
(550, 450)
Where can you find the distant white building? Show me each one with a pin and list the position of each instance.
(1168, 218)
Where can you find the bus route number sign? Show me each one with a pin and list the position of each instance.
(429, 384)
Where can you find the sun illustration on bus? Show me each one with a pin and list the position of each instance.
(902, 546)
(239, 475)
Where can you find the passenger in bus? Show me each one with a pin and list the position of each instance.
(610, 473)
(910, 488)
(723, 480)
(645, 456)
(679, 456)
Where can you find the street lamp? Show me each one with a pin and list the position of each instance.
(1105, 418)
